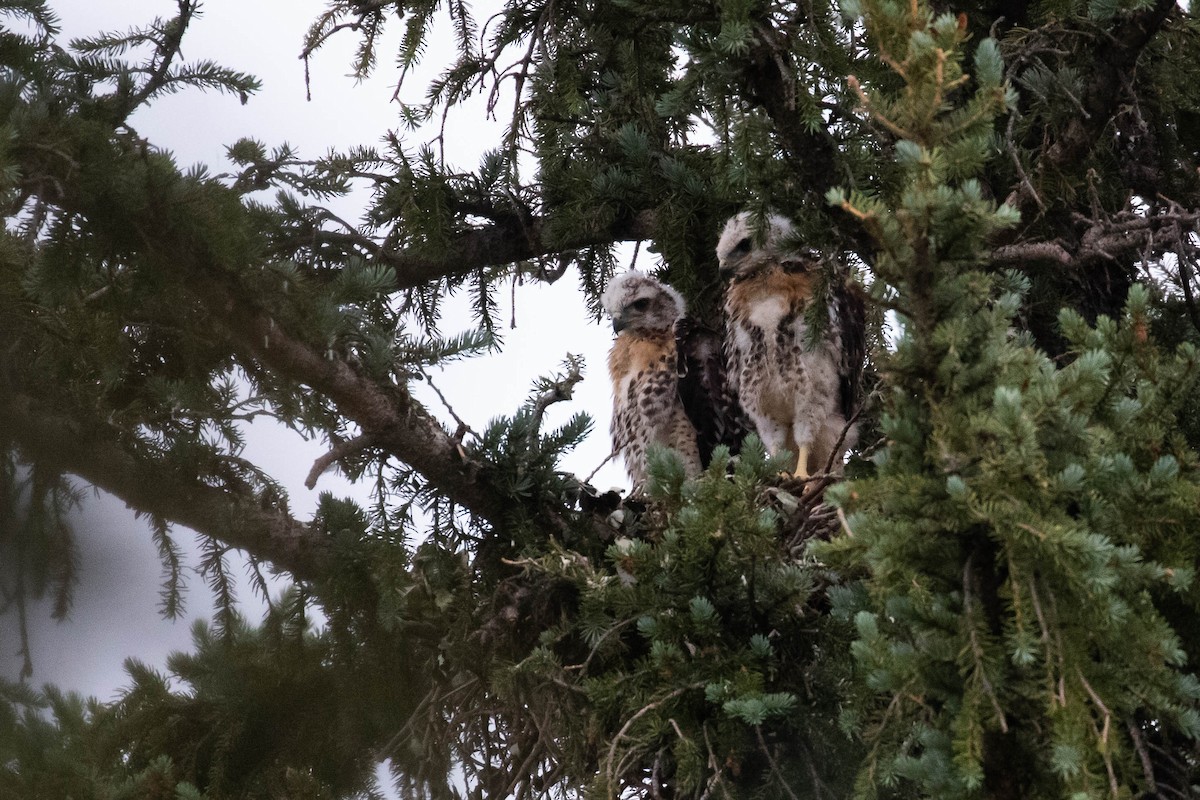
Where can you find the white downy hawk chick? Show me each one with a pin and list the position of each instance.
(643, 367)
(799, 393)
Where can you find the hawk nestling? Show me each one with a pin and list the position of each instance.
(643, 366)
(799, 392)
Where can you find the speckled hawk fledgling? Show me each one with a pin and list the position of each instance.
(798, 381)
(643, 365)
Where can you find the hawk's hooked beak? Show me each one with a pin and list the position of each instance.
(727, 266)
(620, 323)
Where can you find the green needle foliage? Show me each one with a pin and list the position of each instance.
(1022, 540)
(698, 642)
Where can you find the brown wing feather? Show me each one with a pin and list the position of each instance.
(852, 328)
(848, 326)
(709, 400)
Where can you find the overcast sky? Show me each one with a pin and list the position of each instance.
(114, 614)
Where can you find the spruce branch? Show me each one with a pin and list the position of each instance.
(153, 487)
(600, 466)
(168, 39)
(970, 591)
(1025, 189)
(1184, 238)
(24, 651)
(507, 242)
(612, 769)
(389, 413)
(401, 425)
(773, 763)
(171, 596)
(1139, 745)
(768, 78)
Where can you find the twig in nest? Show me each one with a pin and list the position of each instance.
(837, 451)
(1184, 250)
(1144, 756)
(766, 751)
(339, 451)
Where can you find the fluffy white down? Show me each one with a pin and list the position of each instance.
(740, 227)
(632, 285)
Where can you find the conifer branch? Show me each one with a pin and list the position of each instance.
(1184, 253)
(600, 466)
(970, 589)
(152, 487)
(611, 770)
(398, 423)
(774, 765)
(389, 413)
(159, 67)
(516, 239)
(19, 594)
(557, 391)
(463, 427)
(769, 79)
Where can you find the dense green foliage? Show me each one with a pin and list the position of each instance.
(1000, 602)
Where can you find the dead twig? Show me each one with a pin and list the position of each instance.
(337, 453)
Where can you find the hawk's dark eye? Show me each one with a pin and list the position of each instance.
(743, 247)
(640, 305)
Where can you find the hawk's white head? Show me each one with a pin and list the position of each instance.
(744, 248)
(641, 303)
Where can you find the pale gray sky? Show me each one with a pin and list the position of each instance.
(114, 616)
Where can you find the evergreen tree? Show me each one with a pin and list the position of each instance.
(998, 602)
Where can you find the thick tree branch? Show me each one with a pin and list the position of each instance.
(207, 241)
(194, 243)
(505, 243)
(1125, 236)
(389, 414)
(153, 487)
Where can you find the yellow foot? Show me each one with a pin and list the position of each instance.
(802, 464)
